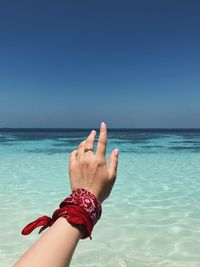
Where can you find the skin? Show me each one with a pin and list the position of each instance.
(87, 170)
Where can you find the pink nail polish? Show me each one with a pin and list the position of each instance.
(93, 132)
(103, 125)
(116, 151)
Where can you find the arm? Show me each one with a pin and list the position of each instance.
(87, 170)
(55, 248)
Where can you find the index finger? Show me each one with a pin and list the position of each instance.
(101, 145)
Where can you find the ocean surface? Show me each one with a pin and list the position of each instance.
(152, 217)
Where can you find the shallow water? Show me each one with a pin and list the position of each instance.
(152, 217)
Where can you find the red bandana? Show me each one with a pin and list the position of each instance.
(81, 209)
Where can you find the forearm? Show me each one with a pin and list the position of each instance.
(55, 248)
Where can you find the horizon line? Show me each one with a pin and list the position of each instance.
(111, 128)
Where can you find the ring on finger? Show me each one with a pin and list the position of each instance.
(86, 149)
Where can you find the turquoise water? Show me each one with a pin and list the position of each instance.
(152, 217)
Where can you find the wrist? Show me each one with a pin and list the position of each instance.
(67, 227)
(81, 209)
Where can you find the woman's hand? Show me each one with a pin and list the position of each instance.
(88, 169)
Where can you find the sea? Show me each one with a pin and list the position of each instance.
(152, 217)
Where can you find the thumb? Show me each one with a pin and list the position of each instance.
(112, 165)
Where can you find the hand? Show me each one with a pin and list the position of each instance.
(88, 169)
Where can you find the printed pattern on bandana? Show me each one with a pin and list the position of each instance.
(86, 200)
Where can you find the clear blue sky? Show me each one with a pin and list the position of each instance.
(77, 63)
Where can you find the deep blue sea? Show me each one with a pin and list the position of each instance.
(152, 217)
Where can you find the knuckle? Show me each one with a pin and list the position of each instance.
(86, 161)
(71, 154)
(88, 143)
(99, 161)
(89, 139)
(82, 161)
(102, 142)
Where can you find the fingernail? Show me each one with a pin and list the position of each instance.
(103, 125)
(93, 132)
(116, 151)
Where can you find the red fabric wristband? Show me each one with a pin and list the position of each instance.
(81, 209)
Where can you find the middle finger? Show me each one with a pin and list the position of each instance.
(101, 145)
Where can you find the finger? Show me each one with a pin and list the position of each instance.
(81, 148)
(113, 162)
(89, 143)
(101, 145)
(72, 156)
